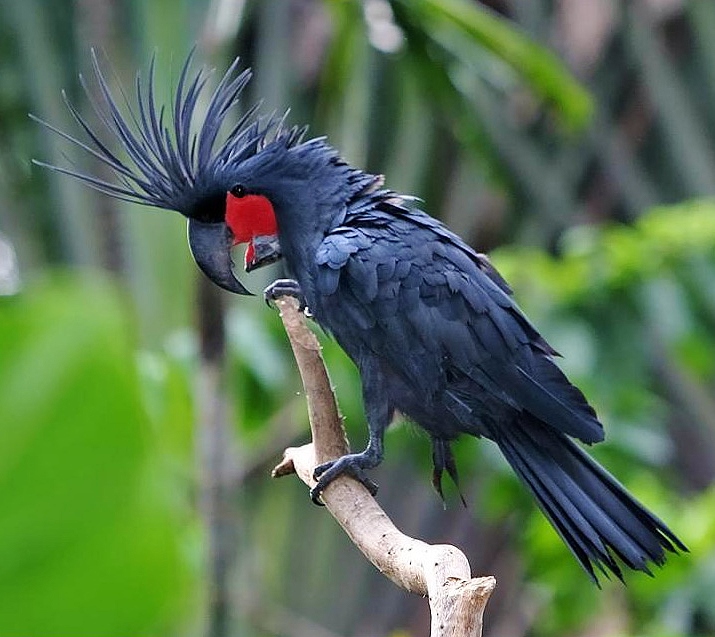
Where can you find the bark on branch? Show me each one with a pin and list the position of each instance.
(441, 571)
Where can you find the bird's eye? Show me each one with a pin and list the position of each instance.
(238, 191)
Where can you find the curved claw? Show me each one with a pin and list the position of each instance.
(284, 287)
(315, 496)
(442, 459)
(353, 465)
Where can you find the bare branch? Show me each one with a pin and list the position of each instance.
(441, 571)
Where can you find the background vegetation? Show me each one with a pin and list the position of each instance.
(141, 411)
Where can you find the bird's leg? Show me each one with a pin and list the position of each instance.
(285, 287)
(379, 414)
(442, 459)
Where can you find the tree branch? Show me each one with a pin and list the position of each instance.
(441, 571)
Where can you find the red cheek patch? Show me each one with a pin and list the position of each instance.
(250, 216)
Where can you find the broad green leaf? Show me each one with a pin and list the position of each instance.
(89, 541)
(543, 70)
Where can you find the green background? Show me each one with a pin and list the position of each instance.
(572, 140)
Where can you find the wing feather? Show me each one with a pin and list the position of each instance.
(432, 310)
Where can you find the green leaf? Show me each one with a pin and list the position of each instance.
(88, 540)
(543, 70)
(598, 261)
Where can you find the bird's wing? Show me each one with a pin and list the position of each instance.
(439, 314)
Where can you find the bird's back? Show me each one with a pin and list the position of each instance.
(398, 285)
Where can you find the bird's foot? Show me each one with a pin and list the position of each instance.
(353, 464)
(285, 287)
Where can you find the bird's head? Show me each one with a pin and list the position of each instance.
(237, 182)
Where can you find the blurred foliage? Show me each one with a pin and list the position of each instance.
(472, 32)
(567, 134)
(595, 262)
(635, 266)
(93, 541)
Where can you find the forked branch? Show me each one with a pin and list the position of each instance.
(441, 571)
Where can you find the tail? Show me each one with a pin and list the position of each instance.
(594, 514)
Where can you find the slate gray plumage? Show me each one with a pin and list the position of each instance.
(430, 324)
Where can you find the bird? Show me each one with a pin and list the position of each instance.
(432, 327)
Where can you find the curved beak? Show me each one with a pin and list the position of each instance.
(211, 245)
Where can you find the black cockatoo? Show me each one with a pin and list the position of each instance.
(430, 324)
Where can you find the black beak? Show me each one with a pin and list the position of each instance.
(211, 245)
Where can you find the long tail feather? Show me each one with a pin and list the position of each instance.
(593, 513)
